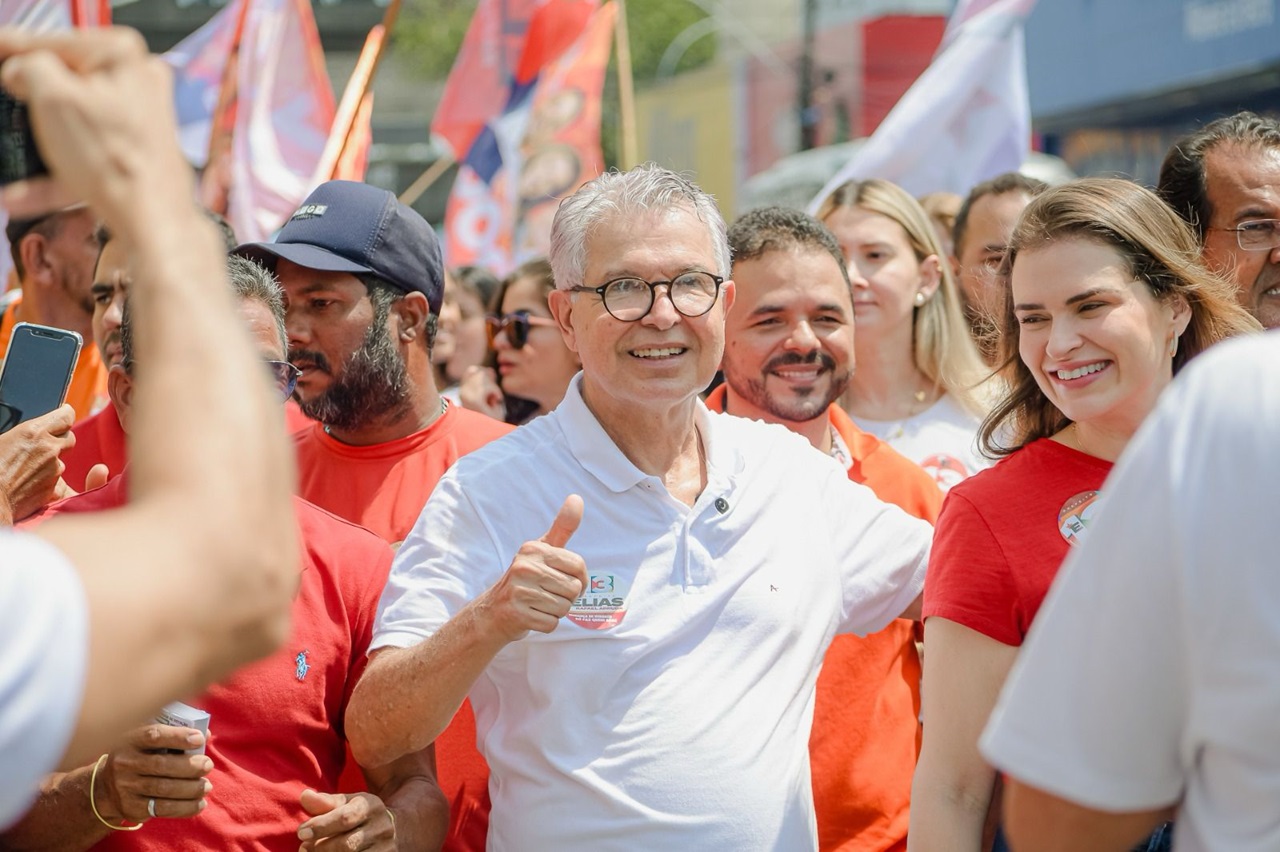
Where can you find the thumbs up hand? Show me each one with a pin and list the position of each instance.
(542, 582)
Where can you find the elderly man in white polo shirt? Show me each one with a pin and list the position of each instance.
(643, 673)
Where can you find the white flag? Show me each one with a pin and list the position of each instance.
(36, 16)
(285, 112)
(198, 62)
(281, 101)
(966, 119)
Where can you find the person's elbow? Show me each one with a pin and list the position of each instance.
(367, 718)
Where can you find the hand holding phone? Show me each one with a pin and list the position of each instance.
(30, 471)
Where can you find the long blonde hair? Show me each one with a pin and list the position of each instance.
(943, 349)
(1159, 249)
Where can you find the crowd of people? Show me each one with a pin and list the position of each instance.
(691, 534)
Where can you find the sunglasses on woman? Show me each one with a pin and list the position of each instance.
(514, 325)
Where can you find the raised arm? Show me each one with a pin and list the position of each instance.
(195, 576)
(409, 695)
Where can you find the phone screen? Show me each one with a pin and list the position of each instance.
(37, 371)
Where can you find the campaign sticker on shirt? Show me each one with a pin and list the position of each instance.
(604, 603)
(946, 470)
(1076, 515)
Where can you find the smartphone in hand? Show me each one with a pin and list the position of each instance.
(37, 371)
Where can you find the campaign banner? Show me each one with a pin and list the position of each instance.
(544, 144)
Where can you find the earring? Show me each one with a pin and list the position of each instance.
(919, 299)
(1173, 347)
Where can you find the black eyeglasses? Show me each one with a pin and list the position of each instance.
(630, 299)
(514, 325)
(285, 376)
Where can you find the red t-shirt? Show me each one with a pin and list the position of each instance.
(384, 487)
(866, 732)
(277, 724)
(101, 440)
(1003, 534)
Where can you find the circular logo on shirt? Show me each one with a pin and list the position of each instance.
(603, 603)
(946, 470)
(1076, 514)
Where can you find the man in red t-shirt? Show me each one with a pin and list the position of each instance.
(99, 438)
(788, 358)
(276, 746)
(364, 281)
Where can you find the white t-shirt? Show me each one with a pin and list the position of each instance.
(1152, 674)
(44, 641)
(942, 439)
(671, 709)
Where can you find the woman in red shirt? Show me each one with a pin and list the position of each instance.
(1105, 300)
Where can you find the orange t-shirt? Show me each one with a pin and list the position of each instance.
(88, 391)
(384, 487)
(866, 730)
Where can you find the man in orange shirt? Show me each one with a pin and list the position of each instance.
(788, 357)
(363, 281)
(53, 257)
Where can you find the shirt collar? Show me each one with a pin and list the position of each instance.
(591, 445)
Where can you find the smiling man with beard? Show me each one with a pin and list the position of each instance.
(788, 358)
(363, 282)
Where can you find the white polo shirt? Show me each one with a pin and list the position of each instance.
(44, 643)
(671, 708)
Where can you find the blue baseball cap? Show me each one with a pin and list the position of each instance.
(345, 226)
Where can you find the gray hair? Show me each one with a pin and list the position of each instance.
(646, 188)
(249, 280)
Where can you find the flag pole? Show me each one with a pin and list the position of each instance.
(357, 87)
(626, 91)
(424, 180)
(222, 128)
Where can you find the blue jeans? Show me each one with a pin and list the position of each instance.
(1160, 841)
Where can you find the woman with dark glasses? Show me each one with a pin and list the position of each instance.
(529, 365)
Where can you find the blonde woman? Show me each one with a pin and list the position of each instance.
(919, 380)
(1104, 300)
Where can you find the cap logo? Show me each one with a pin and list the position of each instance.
(309, 211)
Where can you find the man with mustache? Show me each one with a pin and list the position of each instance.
(99, 440)
(1224, 179)
(53, 256)
(788, 358)
(363, 281)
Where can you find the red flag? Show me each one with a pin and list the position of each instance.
(480, 81)
(544, 145)
(91, 13)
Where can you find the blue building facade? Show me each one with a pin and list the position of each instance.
(1114, 82)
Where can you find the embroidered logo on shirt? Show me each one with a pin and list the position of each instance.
(302, 665)
(1076, 514)
(603, 605)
